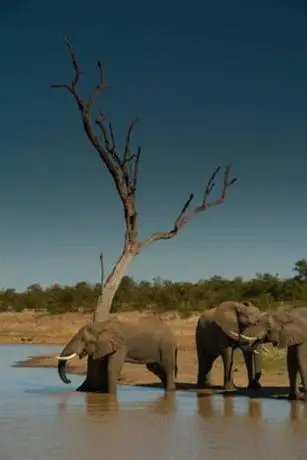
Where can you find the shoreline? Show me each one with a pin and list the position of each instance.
(40, 329)
(26, 341)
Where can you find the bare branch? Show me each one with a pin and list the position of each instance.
(101, 273)
(183, 210)
(75, 64)
(128, 140)
(124, 178)
(184, 217)
(112, 137)
(136, 170)
(210, 184)
(110, 148)
(72, 86)
(99, 87)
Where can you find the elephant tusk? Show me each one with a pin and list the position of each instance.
(246, 337)
(242, 336)
(234, 334)
(66, 358)
(263, 349)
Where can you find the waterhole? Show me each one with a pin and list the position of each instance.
(42, 419)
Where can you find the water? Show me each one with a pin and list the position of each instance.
(41, 418)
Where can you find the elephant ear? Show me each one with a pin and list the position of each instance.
(288, 328)
(88, 334)
(106, 344)
(292, 334)
(109, 340)
(101, 341)
(225, 316)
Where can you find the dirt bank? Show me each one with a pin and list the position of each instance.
(36, 328)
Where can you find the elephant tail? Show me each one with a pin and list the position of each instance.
(176, 362)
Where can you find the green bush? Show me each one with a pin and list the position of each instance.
(265, 290)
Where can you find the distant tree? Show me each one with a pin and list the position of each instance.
(124, 172)
(33, 297)
(265, 290)
(300, 267)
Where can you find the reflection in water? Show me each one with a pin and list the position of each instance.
(98, 406)
(298, 410)
(255, 408)
(208, 408)
(39, 419)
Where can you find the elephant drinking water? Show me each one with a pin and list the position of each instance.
(286, 328)
(149, 341)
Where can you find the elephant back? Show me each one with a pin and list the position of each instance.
(206, 317)
(155, 328)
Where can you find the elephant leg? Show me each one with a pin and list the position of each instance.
(253, 363)
(227, 357)
(292, 367)
(115, 365)
(168, 363)
(302, 366)
(97, 376)
(170, 384)
(158, 371)
(205, 363)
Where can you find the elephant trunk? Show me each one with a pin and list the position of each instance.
(62, 371)
(62, 362)
(73, 349)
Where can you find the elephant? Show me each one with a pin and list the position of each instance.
(149, 341)
(285, 328)
(218, 332)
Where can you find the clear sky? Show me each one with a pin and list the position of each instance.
(211, 81)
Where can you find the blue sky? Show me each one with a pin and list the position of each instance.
(211, 81)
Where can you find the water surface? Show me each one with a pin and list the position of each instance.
(41, 418)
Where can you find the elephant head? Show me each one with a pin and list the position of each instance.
(283, 328)
(95, 340)
(235, 317)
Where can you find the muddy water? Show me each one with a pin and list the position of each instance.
(41, 418)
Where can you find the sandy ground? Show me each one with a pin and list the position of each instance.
(30, 327)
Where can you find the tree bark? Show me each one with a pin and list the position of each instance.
(111, 285)
(95, 380)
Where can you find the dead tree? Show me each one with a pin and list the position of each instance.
(123, 169)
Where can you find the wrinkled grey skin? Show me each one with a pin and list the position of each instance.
(214, 338)
(286, 328)
(150, 342)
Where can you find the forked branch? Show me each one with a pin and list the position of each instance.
(184, 216)
(124, 168)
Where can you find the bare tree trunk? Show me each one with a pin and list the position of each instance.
(96, 369)
(104, 302)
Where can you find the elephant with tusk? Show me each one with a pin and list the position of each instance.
(149, 341)
(220, 330)
(286, 328)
